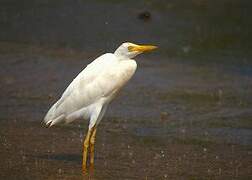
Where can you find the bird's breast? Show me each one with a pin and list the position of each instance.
(116, 77)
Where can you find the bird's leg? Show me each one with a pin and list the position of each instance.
(92, 142)
(85, 151)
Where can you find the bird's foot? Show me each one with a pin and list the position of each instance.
(88, 171)
(84, 170)
(91, 168)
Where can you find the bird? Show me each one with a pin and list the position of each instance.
(89, 94)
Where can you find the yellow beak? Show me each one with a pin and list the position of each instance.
(141, 48)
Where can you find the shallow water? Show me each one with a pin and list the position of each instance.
(186, 114)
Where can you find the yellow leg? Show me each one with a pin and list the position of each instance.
(85, 151)
(92, 142)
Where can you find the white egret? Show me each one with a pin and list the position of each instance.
(92, 90)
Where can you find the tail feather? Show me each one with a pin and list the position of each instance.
(52, 117)
(55, 121)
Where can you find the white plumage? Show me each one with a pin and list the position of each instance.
(91, 91)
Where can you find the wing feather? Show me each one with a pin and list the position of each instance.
(99, 80)
(77, 95)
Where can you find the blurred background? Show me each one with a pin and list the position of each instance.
(186, 114)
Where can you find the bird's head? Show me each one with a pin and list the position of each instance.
(130, 50)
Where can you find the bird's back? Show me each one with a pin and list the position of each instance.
(97, 82)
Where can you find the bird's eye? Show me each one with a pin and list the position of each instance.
(130, 48)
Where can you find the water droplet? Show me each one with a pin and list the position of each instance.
(183, 130)
(23, 158)
(59, 171)
(27, 169)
